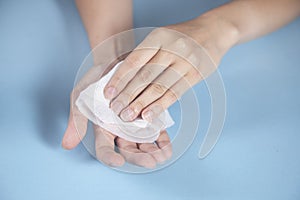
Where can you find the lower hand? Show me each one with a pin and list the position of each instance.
(145, 155)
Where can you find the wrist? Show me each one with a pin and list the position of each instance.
(101, 33)
(219, 34)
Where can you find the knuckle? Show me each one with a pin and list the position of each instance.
(135, 90)
(157, 107)
(194, 60)
(155, 32)
(138, 105)
(193, 75)
(181, 43)
(117, 81)
(125, 97)
(158, 32)
(196, 75)
(166, 54)
(158, 88)
(134, 59)
(145, 75)
(172, 96)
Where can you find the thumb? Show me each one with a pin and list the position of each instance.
(75, 131)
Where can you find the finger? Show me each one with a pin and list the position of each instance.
(104, 146)
(155, 90)
(134, 155)
(153, 149)
(72, 136)
(147, 49)
(141, 80)
(164, 143)
(109, 51)
(76, 129)
(77, 124)
(127, 70)
(171, 95)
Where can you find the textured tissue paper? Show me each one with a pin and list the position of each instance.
(93, 105)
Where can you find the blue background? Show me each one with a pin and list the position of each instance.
(42, 44)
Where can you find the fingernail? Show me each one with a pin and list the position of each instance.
(117, 107)
(110, 93)
(127, 115)
(148, 116)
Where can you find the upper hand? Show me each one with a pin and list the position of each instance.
(167, 63)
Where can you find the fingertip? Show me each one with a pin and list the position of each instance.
(160, 157)
(150, 165)
(167, 149)
(70, 139)
(169, 154)
(147, 161)
(109, 157)
(110, 92)
(118, 161)
(66, 143)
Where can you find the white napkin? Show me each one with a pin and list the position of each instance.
(93, 105)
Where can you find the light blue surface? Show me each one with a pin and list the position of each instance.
(257, 157)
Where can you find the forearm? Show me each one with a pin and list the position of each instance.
(254, 18)
(238, 21)
(103, 18)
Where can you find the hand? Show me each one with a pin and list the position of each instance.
(167, 63)
(145, 155)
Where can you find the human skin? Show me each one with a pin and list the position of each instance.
(102, 19)
(217, 31)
